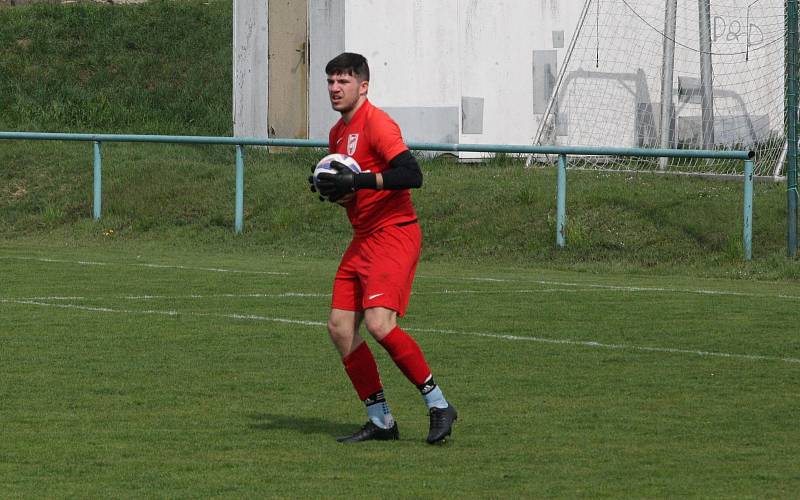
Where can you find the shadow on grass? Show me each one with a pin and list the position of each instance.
(305, 425)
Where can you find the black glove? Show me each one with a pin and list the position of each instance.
(334, 186)
(311, 182)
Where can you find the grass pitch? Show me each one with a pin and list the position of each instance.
(151, 372)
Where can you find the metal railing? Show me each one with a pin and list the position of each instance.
(562, 151)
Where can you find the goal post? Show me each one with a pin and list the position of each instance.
(791, 78)
(686, 74)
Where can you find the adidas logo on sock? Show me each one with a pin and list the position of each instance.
(378, 397)
(427, 386)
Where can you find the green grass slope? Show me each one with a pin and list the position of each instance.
(153, 68)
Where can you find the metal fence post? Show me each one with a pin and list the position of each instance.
(239, 189)
(747, 236)
(98, 181)
(791, 76)
(561, 200)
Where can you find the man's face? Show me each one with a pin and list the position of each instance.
(345, 91)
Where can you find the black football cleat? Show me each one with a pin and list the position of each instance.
(442, 420)
(371, 432)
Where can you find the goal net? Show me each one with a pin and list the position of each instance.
(689, 74)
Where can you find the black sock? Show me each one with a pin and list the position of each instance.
(427, 387)
(376, 398)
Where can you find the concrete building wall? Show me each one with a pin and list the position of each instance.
(452, 70)
(412, 49)
(250, 68)
(513, 50)
(448, 71)
(326, 22)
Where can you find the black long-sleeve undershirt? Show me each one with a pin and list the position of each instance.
(403, 173)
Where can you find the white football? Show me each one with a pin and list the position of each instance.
(324, 165)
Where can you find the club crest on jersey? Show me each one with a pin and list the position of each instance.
(352, 143)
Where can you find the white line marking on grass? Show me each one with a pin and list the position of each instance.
(45, 298)
(154, 312)
(178, 297)
(500, 292)
(623, 288)
(518, 338)
(589, 343)
(210, 269)
(150, 265)
(290, 295)
(224, 296)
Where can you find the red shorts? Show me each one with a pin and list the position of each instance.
(377, 270)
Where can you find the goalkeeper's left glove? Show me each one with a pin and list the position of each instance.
(311, 183)
(344, 181)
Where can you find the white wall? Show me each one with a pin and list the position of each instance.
(412, 49)
(326, 33)
(250, 70)
(425, 56)
(497, 40)
(427, 59)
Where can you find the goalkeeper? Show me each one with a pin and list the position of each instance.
(373, 282)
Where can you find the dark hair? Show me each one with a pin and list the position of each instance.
(349, 63)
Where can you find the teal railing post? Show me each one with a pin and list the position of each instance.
(561, 200)
(98, 181)
(239, 188)
(747, 235)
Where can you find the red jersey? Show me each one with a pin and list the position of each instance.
(372, 138)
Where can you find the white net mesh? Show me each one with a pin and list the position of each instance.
(610, 89)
